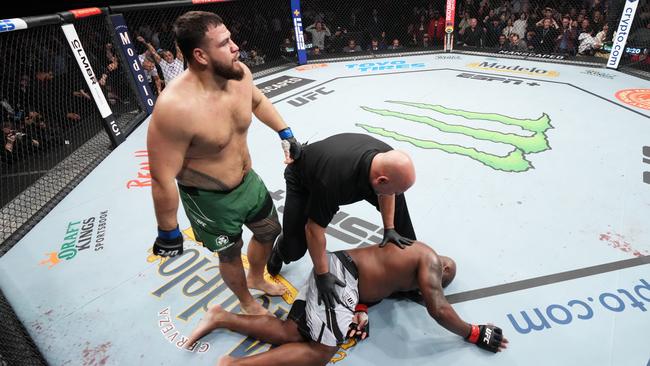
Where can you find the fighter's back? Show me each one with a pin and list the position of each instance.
(383, 271)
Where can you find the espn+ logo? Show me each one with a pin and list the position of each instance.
(583, 310)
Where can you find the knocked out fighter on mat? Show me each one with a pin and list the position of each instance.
(312, 332)
(197, 137)
(340, 170)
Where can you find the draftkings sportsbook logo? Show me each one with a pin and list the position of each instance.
(513, 69)
(530, 138)
(79, 236)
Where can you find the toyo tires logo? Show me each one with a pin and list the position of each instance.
(531, 140)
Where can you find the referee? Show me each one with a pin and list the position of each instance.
(341, 170)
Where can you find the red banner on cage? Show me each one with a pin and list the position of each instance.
(85, 12)
(450, 16)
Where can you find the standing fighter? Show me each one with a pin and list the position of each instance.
(197, 136)
(340, 170)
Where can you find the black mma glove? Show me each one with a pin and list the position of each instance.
(294, 147)
(361, 313)
(487, 337)
(168, 243)
(326, 291)
(390, 235)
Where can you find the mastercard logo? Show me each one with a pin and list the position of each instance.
(639, 98)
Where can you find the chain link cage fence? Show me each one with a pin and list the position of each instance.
(95, 33)
(52, 135)
(259, 27)
(555, 29)
(47, 113)
(371, 27)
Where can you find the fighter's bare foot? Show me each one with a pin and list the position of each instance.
(268, 288)
(211, 321)
(254, 308)
(226, 361)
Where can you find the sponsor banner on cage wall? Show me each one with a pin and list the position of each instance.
(620, 37)
(122, 32)
(114, 132)
(8, 25)
(297, 27)
(449, 16)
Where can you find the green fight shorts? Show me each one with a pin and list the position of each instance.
(217, 217)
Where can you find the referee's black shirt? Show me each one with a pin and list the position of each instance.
(336, 171)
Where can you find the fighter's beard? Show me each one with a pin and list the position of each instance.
(228, 72)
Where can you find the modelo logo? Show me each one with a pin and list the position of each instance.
(583, 310)
(514, 69)
(384, 65)
(134, 63)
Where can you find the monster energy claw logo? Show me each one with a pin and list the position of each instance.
(532, 140)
